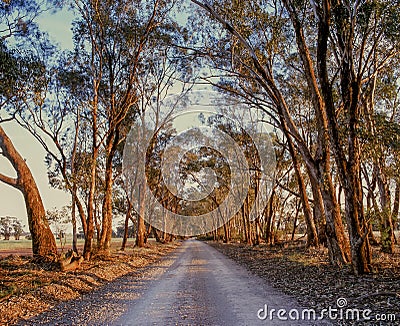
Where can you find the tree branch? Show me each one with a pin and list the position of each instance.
(8, 180)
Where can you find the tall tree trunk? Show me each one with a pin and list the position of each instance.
(386, 222)
(348, 168)
(141, 228)
(243, 213)
(226, 233)
(43, 242)
(87, 251)
(111, 148)
(269, 226)
(73, 187)
(295, 222)
(81, 211)
(312, 236)
(318, 211)
(126, 225)
(106, 224)
(247, 215)
(74, 233)
(396, 205)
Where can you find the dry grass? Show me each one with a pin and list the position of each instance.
(28, 288)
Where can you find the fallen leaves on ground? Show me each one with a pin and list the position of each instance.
(307, 275)
(28, 288)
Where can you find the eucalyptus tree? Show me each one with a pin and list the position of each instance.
(335, 42)
(380, 148)
(57, 124)
(168, 76)
(21, 81)
(259, 69)
(113, 39)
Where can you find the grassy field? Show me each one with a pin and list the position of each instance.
(25, 244)
(15, 244)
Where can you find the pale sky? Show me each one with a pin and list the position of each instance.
(11, 200)
(58, 26)
(12, 203)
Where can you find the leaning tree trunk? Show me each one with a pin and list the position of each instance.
(318, 211)
(312, 235)
(337, 242)
(43, 242)
(358, 229)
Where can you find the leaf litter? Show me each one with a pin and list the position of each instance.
(307, 275)
(28, 287)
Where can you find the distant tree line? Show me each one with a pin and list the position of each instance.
(323, 74)
(11, 226)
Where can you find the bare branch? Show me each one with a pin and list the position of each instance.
(13, 182)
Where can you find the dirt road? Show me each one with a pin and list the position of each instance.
(195, 286)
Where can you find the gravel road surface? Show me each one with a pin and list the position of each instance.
(196, 285)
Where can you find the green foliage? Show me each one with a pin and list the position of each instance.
(17, 72)
(58, 216)
(386, 135)
(9, 226)
(392, 20)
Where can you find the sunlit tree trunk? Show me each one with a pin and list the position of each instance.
(106, 230)
(257, 225)
(126, 224)
(396, 205)
(141, 228)
(73, 221)
(243, 214)
(92, 188)
(348, 168)
(295, 222)
(270, 219)
(226, 233)
(386, 222)
(312, 236)
(43, 242)
(318, 212)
